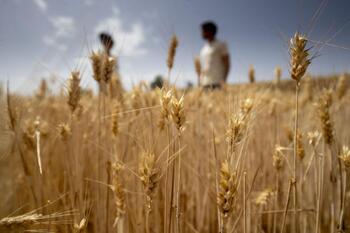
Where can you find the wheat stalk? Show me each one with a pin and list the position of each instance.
(149, 174)
(278, 75)
(341, 87)
(96, 61)
(119, 197)
(174, 42)
(115, 118)
(299, 62)
(43, 90)
(165, 100)
(324, 105)
(74, 92)
(227, 191)
(345, 158)
(108, 68)
(178, 113)
(300, 58)
(251, 74)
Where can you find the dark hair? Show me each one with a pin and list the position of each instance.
(106, 39)
(210, 27)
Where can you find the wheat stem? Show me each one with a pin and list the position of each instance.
(295, 192)
(286, 207)
(244, 203)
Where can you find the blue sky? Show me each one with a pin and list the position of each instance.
(41, 38)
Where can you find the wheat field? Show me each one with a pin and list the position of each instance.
(257, 157)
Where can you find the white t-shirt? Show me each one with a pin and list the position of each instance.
(213, 70)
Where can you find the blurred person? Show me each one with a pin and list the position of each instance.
(214, 58)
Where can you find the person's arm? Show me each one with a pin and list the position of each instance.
(226, 63)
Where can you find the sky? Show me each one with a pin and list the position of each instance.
(49, 38)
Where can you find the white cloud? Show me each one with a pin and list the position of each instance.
(64, 27)
(41, 4)
(115, 10)
(152, 15)
(128, 41)
(88, 2)
(48, 40)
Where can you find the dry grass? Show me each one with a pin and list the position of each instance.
(175, 160)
